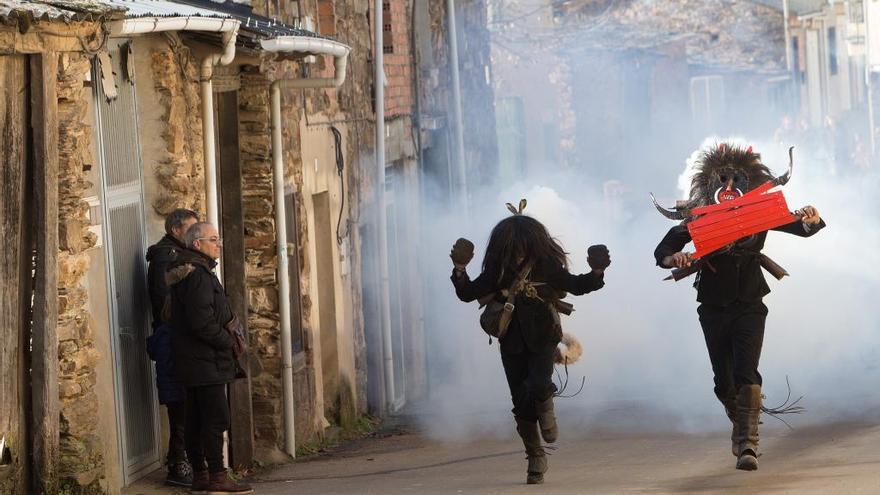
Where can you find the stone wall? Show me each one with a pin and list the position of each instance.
(180, 173)
(82, 462)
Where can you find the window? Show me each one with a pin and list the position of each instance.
(387, 34)
(832, 50)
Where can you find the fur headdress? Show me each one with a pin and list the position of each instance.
(721, 164)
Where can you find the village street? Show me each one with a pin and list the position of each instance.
(832, 459)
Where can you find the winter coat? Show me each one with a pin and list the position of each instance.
(159, 256)
(159, 349)
(532, 327)
(199, 310)
(735, 275)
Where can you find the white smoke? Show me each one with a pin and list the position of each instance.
(644, 360)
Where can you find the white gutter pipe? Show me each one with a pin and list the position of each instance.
(206, 73)
(384, 286)
(144, 25)
(461, 179)
(340, 53)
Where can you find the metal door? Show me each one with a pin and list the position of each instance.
(124, 229)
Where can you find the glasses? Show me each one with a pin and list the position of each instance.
(216, 239)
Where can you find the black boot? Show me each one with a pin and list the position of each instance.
(528, 431)
(748, 413)
(729, 404)
(547, 420)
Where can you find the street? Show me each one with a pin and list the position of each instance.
(831, 459)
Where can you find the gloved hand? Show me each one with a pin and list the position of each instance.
(462, 253)
(598, 257)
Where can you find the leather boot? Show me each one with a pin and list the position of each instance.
(748, 412)
(729, 404)
(528, 431)
(221, 484)
(199, 482)
(547, 420)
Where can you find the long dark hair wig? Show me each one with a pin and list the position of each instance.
(520, 236)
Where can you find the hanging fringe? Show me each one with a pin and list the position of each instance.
(787, 407)
(563, 383)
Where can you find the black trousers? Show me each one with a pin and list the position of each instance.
(734, 336)
(530, 378)
(177, 429)
(207, 417)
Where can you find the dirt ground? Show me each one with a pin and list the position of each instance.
(830, 459)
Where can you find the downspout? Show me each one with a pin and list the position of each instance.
(869, 83)
(205, 81)
(461, 180)
(384, 285)
(340, 53)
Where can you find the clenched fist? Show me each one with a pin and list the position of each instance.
(678, 260)
(809, 215)
(462, 253)
(598, 257)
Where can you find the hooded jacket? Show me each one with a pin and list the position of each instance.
(159, 256)
(202, 348)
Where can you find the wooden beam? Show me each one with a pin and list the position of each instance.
(44, 357)
(15, 281)
(241, 431)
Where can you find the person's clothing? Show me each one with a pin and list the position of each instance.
(527, 348)
(176, 427)
(159, 256)
(737, 275)
(207, 417)
(159, 349)
(199, 310)
(734, 336)
(530, 378)
(532, 325)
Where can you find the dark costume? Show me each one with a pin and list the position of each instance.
(171, 391)
(527, 349)
(203, 355)
(730, 288)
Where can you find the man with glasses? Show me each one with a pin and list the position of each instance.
(203, 351)
(171, 392)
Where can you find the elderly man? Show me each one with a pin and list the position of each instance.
(203, 352)
(171, 392)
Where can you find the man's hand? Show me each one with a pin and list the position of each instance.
(598, 257)
(462, 253)
(678, 260)
(809, 215)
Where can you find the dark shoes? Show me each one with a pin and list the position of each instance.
(179, 474)
(200, 482)
(221, 484)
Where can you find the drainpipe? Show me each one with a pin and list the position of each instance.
(384, 286)
(205, 80)
(869, 83)
(340, 53)
(461, 180)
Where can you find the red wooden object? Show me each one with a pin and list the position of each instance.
(754, 212)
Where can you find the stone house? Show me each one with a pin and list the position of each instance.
(632, 78)
(142, 106)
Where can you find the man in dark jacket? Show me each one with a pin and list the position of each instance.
(171, 392)
(203, 352)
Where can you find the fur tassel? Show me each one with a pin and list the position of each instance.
(568, 351)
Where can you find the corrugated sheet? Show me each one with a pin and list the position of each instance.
(796, 6)
(161, 8)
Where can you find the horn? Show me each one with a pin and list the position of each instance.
(511, 208)
(784, 178)
(522, 205)
(670, 214)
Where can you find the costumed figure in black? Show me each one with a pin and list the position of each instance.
(730, 285)
(525, 274)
